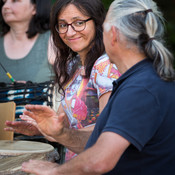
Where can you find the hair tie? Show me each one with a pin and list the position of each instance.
(150, 39)
(149, 10)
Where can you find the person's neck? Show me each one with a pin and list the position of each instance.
(18, 32)
(127, 59)
(17, 44)
(82, 58)
(17, 35)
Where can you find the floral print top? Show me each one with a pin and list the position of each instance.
(81, 102)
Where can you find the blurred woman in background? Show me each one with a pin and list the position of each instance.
(24, 40)
(24, 44)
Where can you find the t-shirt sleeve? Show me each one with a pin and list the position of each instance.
(134, 115)
(103, 74)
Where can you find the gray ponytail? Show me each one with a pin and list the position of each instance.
(141, 22)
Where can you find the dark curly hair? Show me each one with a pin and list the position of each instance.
(95, 10)
(40, 22)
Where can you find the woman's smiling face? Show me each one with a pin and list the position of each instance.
(79, 42)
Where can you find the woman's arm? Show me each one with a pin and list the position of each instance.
(50, 51)
(103, 100)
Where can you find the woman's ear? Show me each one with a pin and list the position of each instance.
(34, 10)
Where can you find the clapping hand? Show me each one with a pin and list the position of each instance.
(48, 121)
(22, 127)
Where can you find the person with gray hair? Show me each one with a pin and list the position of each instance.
(134, 134)
(142, 25)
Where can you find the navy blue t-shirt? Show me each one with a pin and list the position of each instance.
(142, 110)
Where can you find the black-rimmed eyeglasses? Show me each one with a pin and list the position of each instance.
(78, 26)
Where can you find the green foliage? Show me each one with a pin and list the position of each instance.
(107, 3)
(167, 7)
(53, 1)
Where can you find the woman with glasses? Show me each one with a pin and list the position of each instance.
(83, 72)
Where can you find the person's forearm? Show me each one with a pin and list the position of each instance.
(83, 164)
(95, 160)
(101, 158)
(73, 139)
